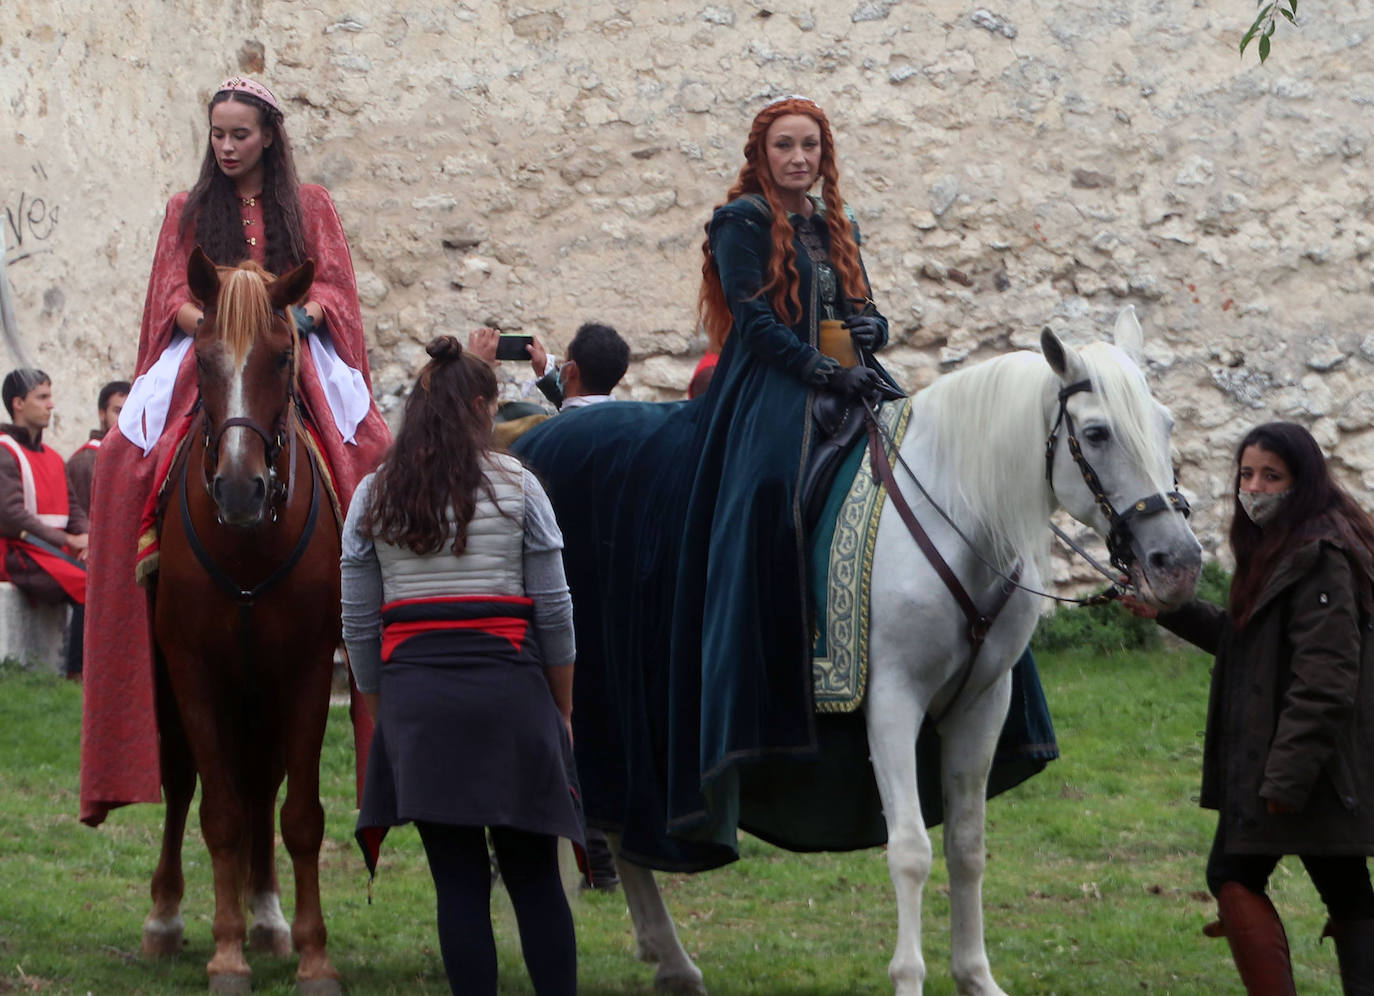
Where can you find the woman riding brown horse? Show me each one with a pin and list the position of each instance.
(246, 619)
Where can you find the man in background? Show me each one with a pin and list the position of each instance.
(42, 529)
(597, 359)
(81, 464)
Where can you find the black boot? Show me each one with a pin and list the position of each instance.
(1355, 950)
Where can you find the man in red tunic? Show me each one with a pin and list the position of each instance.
(42, 530)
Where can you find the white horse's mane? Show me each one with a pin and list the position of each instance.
(986, 427)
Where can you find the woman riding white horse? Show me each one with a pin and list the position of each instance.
(978, 443)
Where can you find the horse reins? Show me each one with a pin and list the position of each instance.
(247, 597)
(1111, 593)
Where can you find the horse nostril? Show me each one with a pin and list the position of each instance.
(1158, 560)
(259, 488)
(217, 489)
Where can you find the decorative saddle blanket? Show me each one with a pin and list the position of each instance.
(150, 524)
(842, 567)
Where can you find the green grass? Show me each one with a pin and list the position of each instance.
(1094, 876)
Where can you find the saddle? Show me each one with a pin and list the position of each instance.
(839, 423)
(841, 545)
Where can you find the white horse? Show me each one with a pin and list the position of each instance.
(979, 440)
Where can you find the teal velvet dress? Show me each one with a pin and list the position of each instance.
(687, 559)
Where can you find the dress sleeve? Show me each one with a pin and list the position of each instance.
(361, 594)
(545, 582)
(858, 241)
(167, 287)
(740, 248)
(335, 288)
(1325, 634)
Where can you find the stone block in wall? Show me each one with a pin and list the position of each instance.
(31, 634)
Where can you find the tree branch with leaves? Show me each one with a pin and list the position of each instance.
(1266, 21)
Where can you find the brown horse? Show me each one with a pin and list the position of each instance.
(246, 620)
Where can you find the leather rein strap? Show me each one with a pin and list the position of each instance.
(979, 623)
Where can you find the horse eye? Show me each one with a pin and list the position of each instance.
(283, 359)
(1097, 434)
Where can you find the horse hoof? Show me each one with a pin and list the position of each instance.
(319, 987)
(162, 942)
(270, 940)
(231, 983)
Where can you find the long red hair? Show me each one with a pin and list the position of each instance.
(783, 283)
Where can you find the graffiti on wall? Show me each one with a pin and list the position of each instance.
(30, 220)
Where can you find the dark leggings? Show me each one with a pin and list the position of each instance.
(1341, 880)
(462, 884)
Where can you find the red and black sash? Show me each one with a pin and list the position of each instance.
(452, 631)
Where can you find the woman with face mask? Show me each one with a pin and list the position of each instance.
(1290, 721)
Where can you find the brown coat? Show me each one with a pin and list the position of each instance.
(1291, 711)
(81, 470)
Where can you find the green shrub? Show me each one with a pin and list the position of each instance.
(1215, 583)
(1099, 629)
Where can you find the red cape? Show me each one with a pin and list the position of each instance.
(119, 744)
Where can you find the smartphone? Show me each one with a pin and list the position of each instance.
(511, 346)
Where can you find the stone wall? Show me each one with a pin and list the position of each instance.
(537, 164)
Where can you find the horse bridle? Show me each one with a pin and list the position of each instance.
(273, 442)
(1119, 545)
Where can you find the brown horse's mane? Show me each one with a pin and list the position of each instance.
(243, 300)
(245, 311)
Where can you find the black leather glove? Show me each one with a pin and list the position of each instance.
(856, 382)
(869, 332)
(304, 323)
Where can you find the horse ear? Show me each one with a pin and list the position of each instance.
(1062, 359)
(1128, 335)
(202, 278)
(293, 286)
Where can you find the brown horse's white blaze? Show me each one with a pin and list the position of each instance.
(240, 482)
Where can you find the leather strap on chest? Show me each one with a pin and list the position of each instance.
(978, 623)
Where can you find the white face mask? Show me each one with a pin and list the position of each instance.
(1260, 506)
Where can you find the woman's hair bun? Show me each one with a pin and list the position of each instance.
(444, 348)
